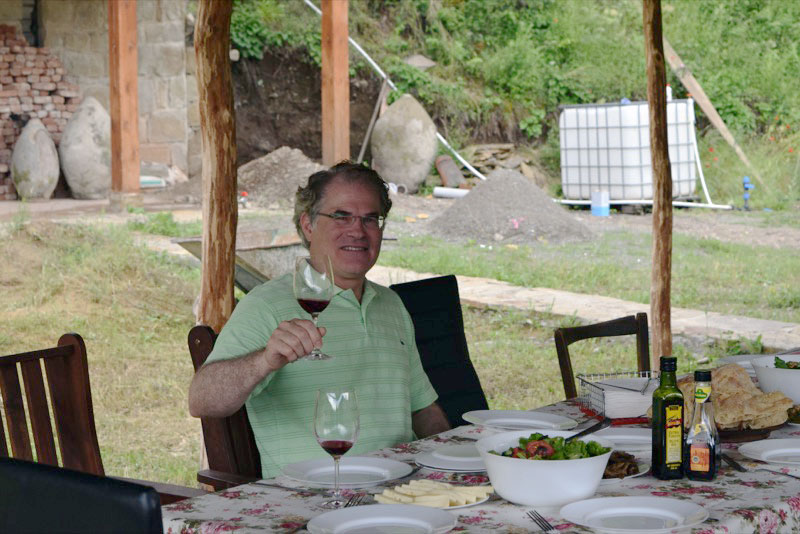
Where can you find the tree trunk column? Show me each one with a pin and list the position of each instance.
(218, 132)
(660, 277)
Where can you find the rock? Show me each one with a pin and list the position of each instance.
(34, 162)
(85, 151)
(419, 61)
(404, 144)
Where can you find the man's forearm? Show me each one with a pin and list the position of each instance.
(429, 421)
(220, 388)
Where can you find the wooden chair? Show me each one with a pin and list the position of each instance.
(233, 457)
(40, 498)
(67, 374)
(435, 309)
(616, 327)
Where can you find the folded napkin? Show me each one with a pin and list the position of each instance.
(620, 398)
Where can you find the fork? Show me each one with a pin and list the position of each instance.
(354, 500)
(539, 519)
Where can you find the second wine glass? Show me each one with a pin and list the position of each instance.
(313, 290)
(336, 426)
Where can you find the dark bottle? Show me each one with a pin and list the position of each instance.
(668, 424)
(702, 449)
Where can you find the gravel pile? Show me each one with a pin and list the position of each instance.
(271, 181)
(508, 208)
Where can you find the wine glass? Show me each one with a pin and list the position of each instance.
(336, 429)
(313, 291)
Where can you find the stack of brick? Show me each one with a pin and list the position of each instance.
(32, 85)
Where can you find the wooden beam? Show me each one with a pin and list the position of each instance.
(696, 90)
(218, 133)
(123, 96)
(661, 273)
(335, 83)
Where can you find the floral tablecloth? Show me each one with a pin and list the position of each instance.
(755, 501)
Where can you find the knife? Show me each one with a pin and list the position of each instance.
(594, 428)
(733, 463)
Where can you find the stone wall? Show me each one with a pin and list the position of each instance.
(77, 31)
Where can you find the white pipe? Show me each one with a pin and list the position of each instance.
(449, 192)
(383, 75)
(677, 203)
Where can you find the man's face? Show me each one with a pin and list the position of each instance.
(352, 248)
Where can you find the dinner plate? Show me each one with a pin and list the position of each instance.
(626, 515)
(627, 439)
(354, 472)
(644, 468)
(461, 458)
(518, 420)
(383, 518)
(774, 451)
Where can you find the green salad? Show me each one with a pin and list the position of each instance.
(541, 447)
(781, 364)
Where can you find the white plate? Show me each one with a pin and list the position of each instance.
(627, 439)
(354, 472)
(643, 466)
(519, 420)
(383, 518)
(774, 451)
(461, 458)
(467, 505)
(624, 515)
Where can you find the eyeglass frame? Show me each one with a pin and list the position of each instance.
(348, 219)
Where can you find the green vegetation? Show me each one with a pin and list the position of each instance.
(163, 223)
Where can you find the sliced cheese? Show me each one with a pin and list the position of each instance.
(435, 494)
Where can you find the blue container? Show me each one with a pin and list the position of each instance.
(600, 204)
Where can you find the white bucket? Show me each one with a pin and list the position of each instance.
(600, 206)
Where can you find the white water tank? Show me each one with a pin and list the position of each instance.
(606, 147)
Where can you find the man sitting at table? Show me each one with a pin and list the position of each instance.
(258, 357)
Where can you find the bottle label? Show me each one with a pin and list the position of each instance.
(674, 434)
(702, 394)
(699, 458)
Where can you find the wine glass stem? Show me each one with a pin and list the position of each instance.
(314, 316)
(336, 496)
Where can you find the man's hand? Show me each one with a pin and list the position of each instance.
(292, 339)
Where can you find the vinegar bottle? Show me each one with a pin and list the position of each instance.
(702, 449)
(668, 424)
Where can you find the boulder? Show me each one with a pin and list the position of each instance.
(404, 144)
(85, 151)
(34, 162)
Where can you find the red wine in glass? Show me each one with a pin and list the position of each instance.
(336, 447)
(313, 306)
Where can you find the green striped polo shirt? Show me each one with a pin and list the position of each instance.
(374, 351)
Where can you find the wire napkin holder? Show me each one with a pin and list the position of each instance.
(592, 398)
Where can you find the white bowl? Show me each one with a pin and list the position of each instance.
(541, 482)
(770, 379)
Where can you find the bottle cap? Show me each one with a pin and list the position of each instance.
(702, 376)
(669, 363)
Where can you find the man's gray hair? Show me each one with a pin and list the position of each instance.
(309, 198)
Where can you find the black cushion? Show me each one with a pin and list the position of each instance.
(435, 309)
(41, 498)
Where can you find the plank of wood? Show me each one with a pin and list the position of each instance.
(335, 83)
(661, 272)
(218, 131)
(696, 90)
(123, 96)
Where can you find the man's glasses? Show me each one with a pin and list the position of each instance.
(373, 222)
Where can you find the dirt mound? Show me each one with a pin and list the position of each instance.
(271, 181)
(509, 208)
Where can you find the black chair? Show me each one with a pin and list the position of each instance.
(435, 309)
(39, 498)
(632, 324)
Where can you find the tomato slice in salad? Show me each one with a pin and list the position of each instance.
(539, 448)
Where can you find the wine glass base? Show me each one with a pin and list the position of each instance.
(314, 356)
(334, 503)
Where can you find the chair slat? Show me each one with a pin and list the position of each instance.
(39, 412)
(15, 413)
(3, 446)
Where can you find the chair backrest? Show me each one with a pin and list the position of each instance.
(41, 498)
(435, 309)
(230, 444)
(632, 324)
(67, 376)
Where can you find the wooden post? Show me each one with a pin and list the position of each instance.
(335, 83)
(660, 277)
(218, 131)
(123, 99)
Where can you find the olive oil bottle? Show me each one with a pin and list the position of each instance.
(702, 450)
(668, 424)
